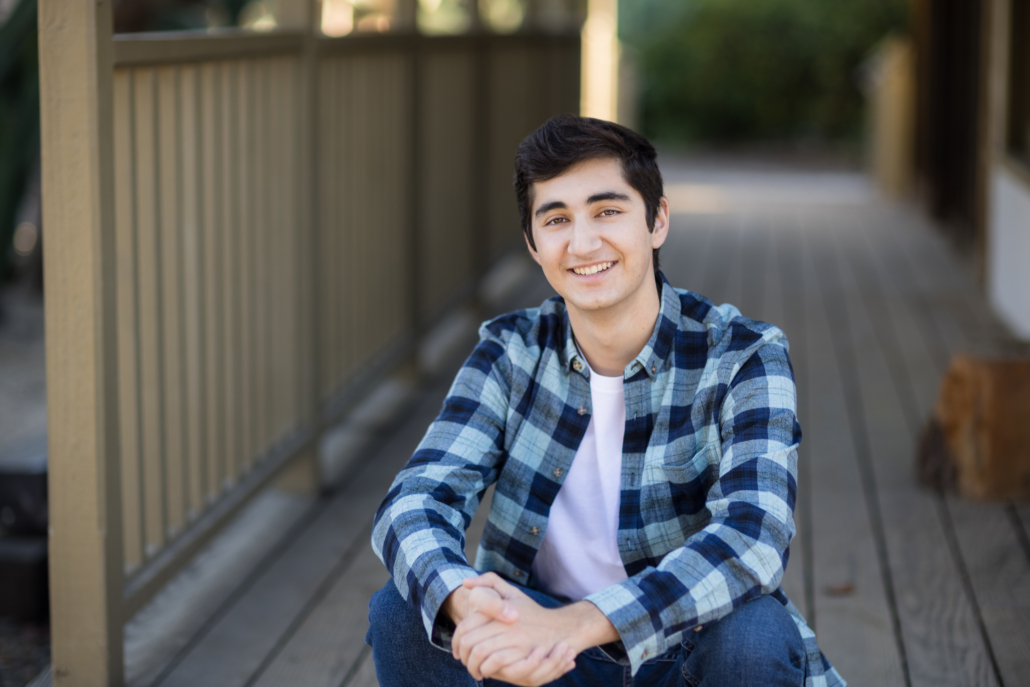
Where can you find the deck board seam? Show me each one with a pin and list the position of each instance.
(797, 316)
(363, 656)
(1017, 525)
(840, 332)
(887, 338)
(934, 343)
(249, 581)
(337, 571)
(944, 513)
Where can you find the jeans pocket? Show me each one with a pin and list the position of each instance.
(670, 656)
(687, 647)
(598, 654)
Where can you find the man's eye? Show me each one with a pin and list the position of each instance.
(555, 220)
(609, 212)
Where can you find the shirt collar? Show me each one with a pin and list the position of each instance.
(651, 358)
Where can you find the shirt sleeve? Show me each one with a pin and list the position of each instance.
(419, 529)
(741, 553)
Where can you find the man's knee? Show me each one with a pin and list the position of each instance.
(390, 615)
(757, 641)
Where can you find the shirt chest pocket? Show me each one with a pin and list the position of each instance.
(675, 469)
(678, 490)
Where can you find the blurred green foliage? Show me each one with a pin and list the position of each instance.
(724, 71)
(19, 116)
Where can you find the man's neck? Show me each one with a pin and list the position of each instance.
(611, 338)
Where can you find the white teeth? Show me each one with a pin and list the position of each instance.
(593, 269)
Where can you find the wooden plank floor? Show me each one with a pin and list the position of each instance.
(903, 586)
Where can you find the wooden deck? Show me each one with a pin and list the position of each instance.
(903, 586)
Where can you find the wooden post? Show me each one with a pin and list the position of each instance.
(600, 62)
(76, 75)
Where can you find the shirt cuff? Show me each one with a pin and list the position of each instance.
(641, 638)
(439, 626)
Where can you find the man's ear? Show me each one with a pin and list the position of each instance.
(661, 223)
(532, 251)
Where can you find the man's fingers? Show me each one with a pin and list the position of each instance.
(518, 671)
(472, 621)
(471, 631)
(486, 648)
(561, 660)
(503, 659)
(493, 580)
(492, 605)
(485, 640)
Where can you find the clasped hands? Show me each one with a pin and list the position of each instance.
(504, 634)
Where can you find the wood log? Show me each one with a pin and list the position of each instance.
(977, 442)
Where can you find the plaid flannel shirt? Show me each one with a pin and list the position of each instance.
(709, 472)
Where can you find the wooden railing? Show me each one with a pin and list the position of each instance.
(243, 232)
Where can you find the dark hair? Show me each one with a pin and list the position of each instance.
(567, 140)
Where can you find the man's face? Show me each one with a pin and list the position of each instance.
(590, 230)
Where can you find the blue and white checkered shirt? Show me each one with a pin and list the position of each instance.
(709, 471)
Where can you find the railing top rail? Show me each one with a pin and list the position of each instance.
(177, 47)
(384, 41)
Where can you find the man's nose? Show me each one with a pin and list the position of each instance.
(585, 239)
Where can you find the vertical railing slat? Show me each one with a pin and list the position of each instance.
(328, 160)
(279, 256)
(230, 246)
(127, 327)
(360, 272)
(299, 254)
(244, 260)
(345, 215)
(149, 303)
(191, 180)
(212, 232)
(169, 196)
(260, 305)
(403, 150)
(185, 452)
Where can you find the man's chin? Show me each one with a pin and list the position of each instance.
(589, 305)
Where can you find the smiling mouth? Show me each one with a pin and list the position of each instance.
(593, 269)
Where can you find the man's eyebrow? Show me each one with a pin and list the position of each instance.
(596, 198)
(547, 207)
(607, 195)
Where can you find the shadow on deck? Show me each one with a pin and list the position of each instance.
(903, 586)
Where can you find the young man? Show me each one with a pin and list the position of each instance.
(643, 443)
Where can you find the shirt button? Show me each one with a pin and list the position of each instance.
(518, 573)
(558, 472)
(534, 531)
(576, 365)
(698, 628)
(582, 410)
(644, 655)
(654, 369)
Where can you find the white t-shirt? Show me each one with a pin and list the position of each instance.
(580, 552)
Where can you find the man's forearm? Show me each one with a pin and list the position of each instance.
(589, 626)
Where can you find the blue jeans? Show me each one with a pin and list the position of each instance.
(757, 644)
